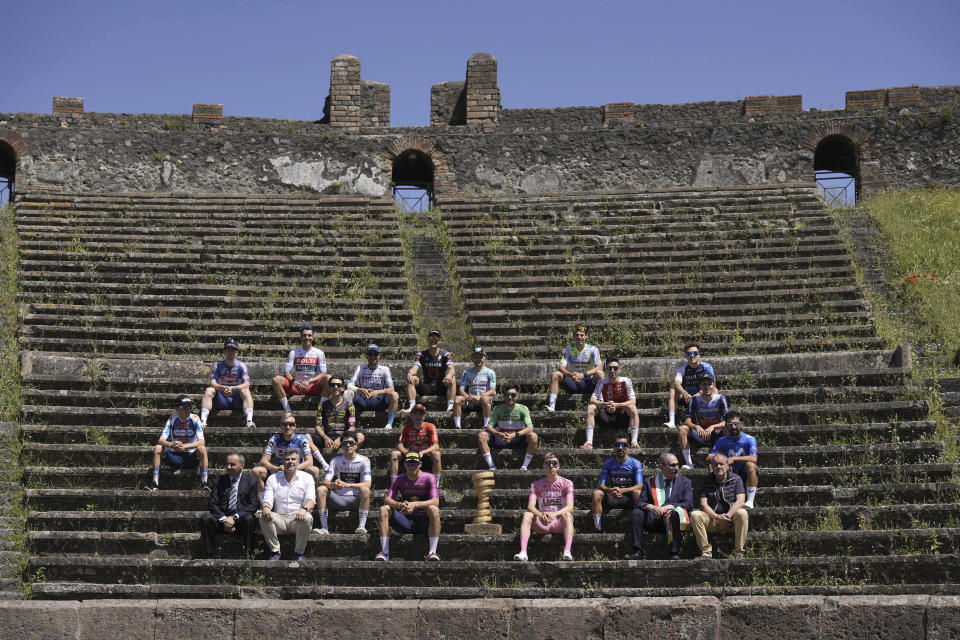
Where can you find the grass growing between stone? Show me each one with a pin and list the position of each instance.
(9, 365)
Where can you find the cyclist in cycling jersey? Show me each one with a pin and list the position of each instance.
(336, 417)
(510, 427)
(549, 508)
(477, 389)
(412, 505)
(181, 445)
(305, 372)
(621, 479)
(346, 486)
(704, 422)
(432, 373)
(420, 436)
(280, 442)
(579, 371)
(229, 386)
(686, 384)
(373, 389)
(613, 404)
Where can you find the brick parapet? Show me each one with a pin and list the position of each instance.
(481, 92)
(67, 106)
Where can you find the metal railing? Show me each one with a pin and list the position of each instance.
(414, 197)
(838, 189)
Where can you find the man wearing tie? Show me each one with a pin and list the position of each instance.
(664, 504)
(233, 502)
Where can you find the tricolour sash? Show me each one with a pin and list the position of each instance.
(659, 486)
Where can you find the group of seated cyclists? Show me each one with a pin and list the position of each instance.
(293, 477)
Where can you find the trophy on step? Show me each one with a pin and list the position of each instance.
(483, 484)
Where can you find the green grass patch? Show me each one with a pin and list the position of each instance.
(922, 231)
(9, 360)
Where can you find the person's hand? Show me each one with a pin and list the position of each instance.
(177, 445)
(338, 484)
(301, 514)
(543, 517)
(327, 442)
(228, 391)
(616, 492)
(701, 432)
(509, 435)
(268, 515)
(229, 524)
(610, 406)
(335, 444)
(405, 508)
(411, 379)
(577, 376)
(550, 517)
(365, 393)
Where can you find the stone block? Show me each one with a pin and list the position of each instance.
(863, 617)
(258, 619)
(768, 617)
(69, 106)
(39, 620)
(693, 617)
(542, 619)
(872, 98)
(203, 111)
(123, 619)
(456, 619)
(943, 617)
(202, 620)
(368, 619)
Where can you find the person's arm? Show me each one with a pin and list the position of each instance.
(597, 369)
(352, 383)
(413, 370)
(214, 503)
(492, 391)
(631, 396)
(705, 507)
(736, 506)
(527, 421)
(432, 501)
(567, 501)
(596, 398)
(248, 500)
(309, 494)
(266, 464)
(643, 501)
(288, 368)
(532, 503)
(366, 478)
(193, 445)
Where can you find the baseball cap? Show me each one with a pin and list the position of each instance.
(411, 456)
(434, 332)
(479, 350)
(707, 376)
(374, 348)
(418, 408)
(184, 401)
(231, 344)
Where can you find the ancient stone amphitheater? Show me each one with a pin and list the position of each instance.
(125, 298)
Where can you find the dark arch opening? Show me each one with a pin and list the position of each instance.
(413, 180)
(8, 171)
(836, 165)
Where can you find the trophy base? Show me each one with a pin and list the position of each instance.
(483, 528)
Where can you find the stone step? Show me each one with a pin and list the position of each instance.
(774, 414)
(884, 570)
(121, 455)
(222, 428)
(612, 546)
(915, 479)
(269, 317)
(134, 263)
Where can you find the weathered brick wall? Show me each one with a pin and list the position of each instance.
(448, 104)
(482, 92)
(531, 150)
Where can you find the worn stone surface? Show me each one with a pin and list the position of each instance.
(866, 617)
(765, 617)
(455, 619)
(368, 619)
(584, 619)
(123, 619)
(693, 618)
(280, 620)
(943, 617)
(39, 620)
(203, 620)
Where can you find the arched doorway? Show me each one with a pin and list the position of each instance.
(412, 179)
(836, 166)
(8, 171)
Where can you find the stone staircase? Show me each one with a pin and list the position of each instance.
(856, 495)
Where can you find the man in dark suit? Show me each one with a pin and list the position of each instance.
(233, 503)
(665, 501)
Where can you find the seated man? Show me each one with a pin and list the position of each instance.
(347, 485)
(372, 386)
(579, 370)
(664, 506)
(510, 427)
(277, 447)
(181, 444)
(420, 437)
(721, 499)
(336, 418)
(687, 382)
(287, 502)
(229, 386)
(476, 390)
(704, 422)
(613, 404)
(432, 373)
(621, 478)
(549, 508)
(741, 452)
(412, 505)
(233, 502)
(305, 372)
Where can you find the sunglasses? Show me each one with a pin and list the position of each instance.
(691, 354)
(619, 445)
(613, 368)
(336, 385)
(349, 443)
(551, 463)
(412, 463)
(735, 423)
(511, 395)
(289, 424)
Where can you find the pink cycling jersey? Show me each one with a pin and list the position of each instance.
(552, 496)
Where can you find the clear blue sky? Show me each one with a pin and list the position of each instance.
(272, 59)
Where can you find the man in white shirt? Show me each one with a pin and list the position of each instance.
(288, 499)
